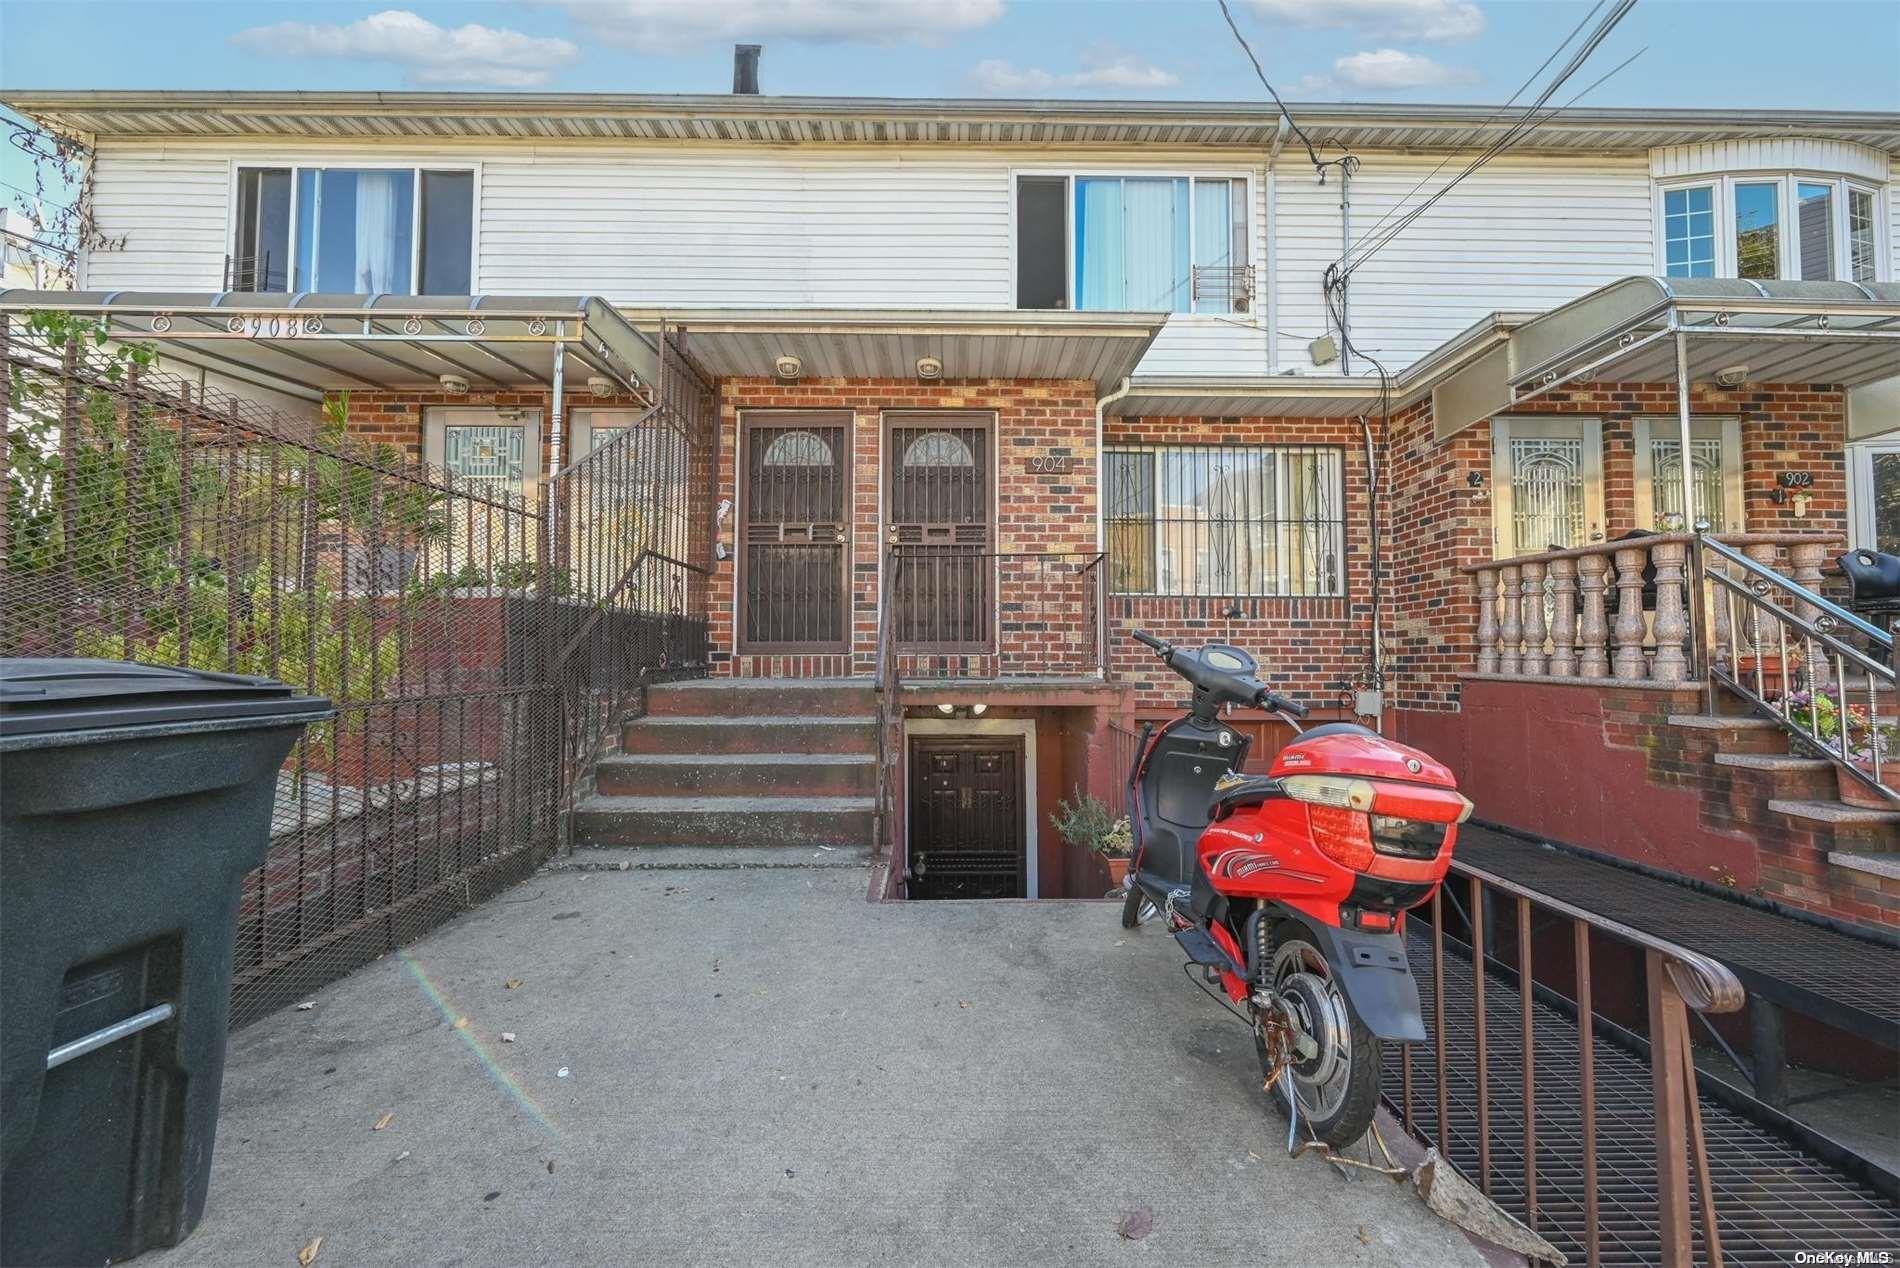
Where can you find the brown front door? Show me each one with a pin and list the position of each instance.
(793, 506)
(937, 508)
(966, 819)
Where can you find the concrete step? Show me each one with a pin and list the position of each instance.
(750, 733)
(779, 822)
(1884, 866)
(1834, 812)
(1731, 734)
(1775, 762)
(756, 697)
(681, 858)
(738, 774)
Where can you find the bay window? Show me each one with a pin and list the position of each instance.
(1793, 226)
(1133, 243)
(345, 230)
(1225, 520)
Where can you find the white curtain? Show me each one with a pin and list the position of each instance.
(376, 233)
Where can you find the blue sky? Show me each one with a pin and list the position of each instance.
(1825, 54)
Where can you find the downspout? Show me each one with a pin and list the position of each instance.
(1101, 513)
(1269, 239)
(1345, 253)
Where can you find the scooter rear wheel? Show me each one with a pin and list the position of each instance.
(1132, 905)
(1337, 1084)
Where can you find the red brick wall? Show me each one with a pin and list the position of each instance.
(1602, 768)
(395, 418)
(1441, 521)
(1035, 512)
(1312, 649)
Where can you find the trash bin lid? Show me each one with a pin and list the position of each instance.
(40, 695)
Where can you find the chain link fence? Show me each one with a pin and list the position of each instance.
(480, 644)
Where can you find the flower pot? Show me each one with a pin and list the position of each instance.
(1117, 871)
(1855, 793)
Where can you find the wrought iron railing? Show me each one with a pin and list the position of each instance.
(1822, 672)
(954, 613)
(1593, 1160)
(1224, 286)
(886, 823)
(478, 641)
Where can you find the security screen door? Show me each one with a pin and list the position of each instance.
(1716, 459)
(793, 504)
(1547, 484)
(937, 507)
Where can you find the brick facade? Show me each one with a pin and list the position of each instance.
(1441, 502)
(1312, 649)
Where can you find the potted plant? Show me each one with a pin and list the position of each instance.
(1087, 823)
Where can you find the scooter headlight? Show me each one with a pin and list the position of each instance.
(1330, 790)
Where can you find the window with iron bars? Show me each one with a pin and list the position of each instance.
(1225, 520)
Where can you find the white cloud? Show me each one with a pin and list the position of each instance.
(1389, 70)
(1102, 68)
(671, 25)
(1434, 20)
(432, 55)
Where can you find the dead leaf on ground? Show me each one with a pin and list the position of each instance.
(1136, 1224)
(388, 1117)
(308, 1255)
(511, 983)
(461, 1023)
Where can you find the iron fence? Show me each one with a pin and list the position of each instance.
(477, 641)
(960, 613)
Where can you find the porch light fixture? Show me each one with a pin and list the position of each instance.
(978, 710)
(1732, 375)
(454, 383)
(600, 386)
(788, 367)
(929, 369)
(947, 710)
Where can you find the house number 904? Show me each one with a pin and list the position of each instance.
(1051, 464)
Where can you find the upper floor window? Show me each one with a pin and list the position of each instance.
(1812, 229)
(1133, 243)
(360, 231)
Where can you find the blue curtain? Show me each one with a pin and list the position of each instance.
(1131, 245)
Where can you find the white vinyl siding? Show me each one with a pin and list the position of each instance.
(172, 210)
(1769, 154)
(749, 230)
(1518, 235)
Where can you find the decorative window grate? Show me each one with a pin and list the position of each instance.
(1225, 520)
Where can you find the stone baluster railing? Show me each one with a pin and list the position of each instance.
(1584, 613)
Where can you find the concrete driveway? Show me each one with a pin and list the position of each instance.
(759, 1067)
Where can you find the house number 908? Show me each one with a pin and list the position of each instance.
(1051, 464)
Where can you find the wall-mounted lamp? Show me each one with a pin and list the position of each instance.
(1731, 376)
(929, 369)
(788, 367)
(963, 710)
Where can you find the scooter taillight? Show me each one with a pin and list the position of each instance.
(1344, 836)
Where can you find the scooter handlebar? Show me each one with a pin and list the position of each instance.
(1160, 647)
(1280, 704)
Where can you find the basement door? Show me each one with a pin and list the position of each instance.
(966, 818)
(793, 504)
(938, 506)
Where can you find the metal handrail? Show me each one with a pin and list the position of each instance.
(1796, 590)
(1678, 980)
(890, 712)
(1755, 594)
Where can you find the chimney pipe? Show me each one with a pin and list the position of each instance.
(745, 69)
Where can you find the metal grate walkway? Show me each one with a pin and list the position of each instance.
(1845, 981)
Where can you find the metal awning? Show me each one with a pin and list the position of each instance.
(1250, 396)
(1103, 348)
(1841, 333)
(309, 344)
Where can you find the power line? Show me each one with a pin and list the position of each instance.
(1371, 245)
(1311, 154)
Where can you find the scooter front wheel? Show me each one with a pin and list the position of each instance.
(1335, 1059)
(1136, 906)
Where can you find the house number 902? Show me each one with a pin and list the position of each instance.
(1051, 464)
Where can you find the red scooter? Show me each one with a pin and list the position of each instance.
(1289, 890)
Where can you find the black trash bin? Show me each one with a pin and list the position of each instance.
(133, 799)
